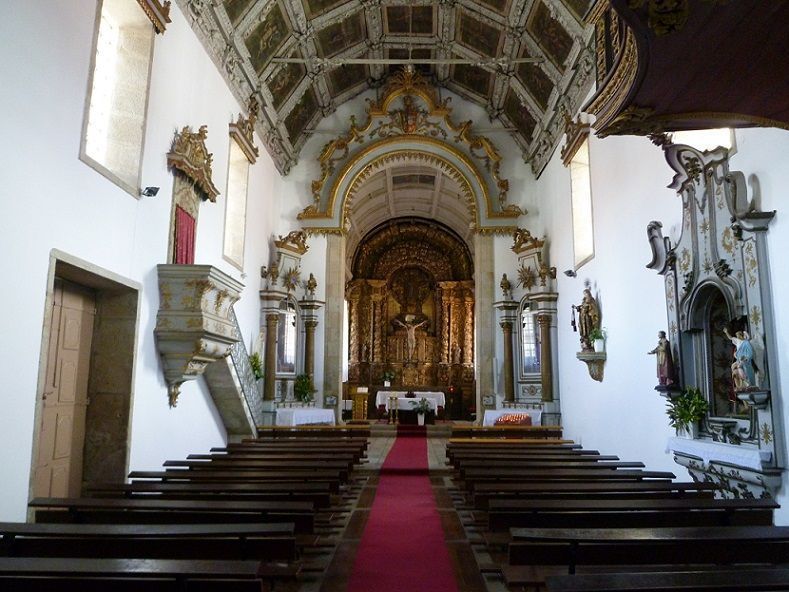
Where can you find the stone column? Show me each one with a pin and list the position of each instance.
(484, 284)
(309, 309)
(468, 327)
(546, 356)
(333, 317)
(270, 366)
(509, 385)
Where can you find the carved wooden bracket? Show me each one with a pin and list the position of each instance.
(157, 12)
(193, 326)
(595, 362)
(576, 132)
(190, 156)
(243, 130)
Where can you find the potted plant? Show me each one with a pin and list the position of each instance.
(421, 407)
(686, 410)
(256, 364)
(388, 377)
(597, 336)
(302, 388)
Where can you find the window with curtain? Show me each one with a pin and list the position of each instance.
(114, 125)
(581, 196)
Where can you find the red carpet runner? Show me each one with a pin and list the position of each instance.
(402, 548)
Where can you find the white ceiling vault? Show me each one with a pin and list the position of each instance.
(245, 36)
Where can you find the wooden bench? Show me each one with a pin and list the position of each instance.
(471, 476)
(717, 580)
(483, 492)
(521, 432)
(259, 541)
(140, 575)
(318, 493)
(587, 513)
(334, 478)
(168, 511)
(714, 545)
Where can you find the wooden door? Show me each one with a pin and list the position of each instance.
(58, 471)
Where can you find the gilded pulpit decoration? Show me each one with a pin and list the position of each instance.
(720, 319)
(194, 325)
(190, 156)
(158, 13)
(243, 131)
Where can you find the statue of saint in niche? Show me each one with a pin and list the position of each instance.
(588, 319)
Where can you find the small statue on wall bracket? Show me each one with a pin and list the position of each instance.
(665, 361)
(588, 319)
(506, 287)
(743, 369)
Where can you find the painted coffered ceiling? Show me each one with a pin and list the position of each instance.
(245, 36)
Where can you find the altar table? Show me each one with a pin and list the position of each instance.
(383, 396)
(404, 403)
(294, 416)
(491, 415)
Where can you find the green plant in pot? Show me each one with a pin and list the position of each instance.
(302, 388)
(597, 337)
(257, 365)
(388, 376)
(687, 409)
(421, 407)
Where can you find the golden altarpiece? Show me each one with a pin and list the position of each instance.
(411, 309)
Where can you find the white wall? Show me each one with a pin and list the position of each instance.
(52, 200)
(623, 415)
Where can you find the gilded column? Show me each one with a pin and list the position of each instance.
(270, 372)
(378, 320)
(509, 385)
(468, 347)
(446, 295)
(546, 357)
(353, 323)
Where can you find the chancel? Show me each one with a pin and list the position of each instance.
(285, 310)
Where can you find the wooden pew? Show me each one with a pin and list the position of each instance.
(506, 432)
(717, 580)
(333, 477)
(261, 541)
(318, 493)
(523, 475)
(616, 513)
(483, 492)
(165, 575)
(168, 511)
(714, 545)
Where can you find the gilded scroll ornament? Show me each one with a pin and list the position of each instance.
(189, 155)
(157, 12)
(243, 131)
(295, 241)
(523, 240)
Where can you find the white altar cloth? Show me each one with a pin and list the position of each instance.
(491, 415)
(404, 403)
(382, 397)
(293, 416)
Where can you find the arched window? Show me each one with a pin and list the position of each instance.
(529, 344)
(287, 338)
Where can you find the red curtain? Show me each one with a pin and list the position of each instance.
(184, 237)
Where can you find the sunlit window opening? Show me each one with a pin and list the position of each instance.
(581, 192)
(529, 349)
(706, 140)
(236, 205)
(115, 119)
(286, 339)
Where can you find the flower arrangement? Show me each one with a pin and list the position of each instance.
(421, 406)
(686, 409)
(302, 388)
(257, 365)
(388, 376)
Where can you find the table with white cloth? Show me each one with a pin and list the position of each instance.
(382, 397)
(404, 403)
(293, 416)
(491, 415)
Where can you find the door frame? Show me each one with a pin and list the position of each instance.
(107, 285)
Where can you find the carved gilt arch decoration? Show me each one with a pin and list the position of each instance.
(410, 122)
